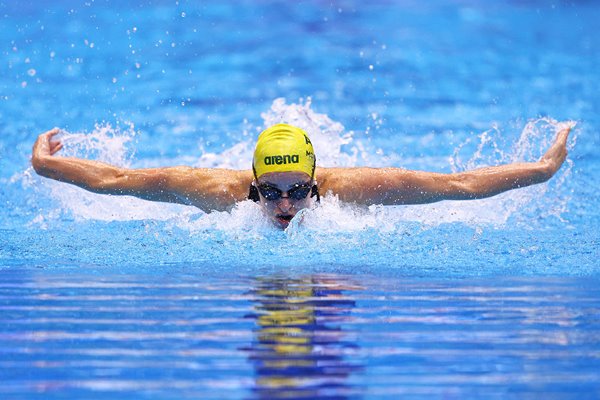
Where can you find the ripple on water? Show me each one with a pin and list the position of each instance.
(297, 335)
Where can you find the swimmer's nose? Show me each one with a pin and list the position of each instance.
(285, 204)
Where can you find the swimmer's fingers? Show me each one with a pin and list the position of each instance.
(53, 143)
(562, 136)
(557, 153)
(55, 147)
(44, 146)
(51, 132)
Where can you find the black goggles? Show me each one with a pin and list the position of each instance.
(297, 192)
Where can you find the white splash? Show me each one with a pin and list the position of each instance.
(104, 143)
(330, 141)
(332, 215)
(245, 219)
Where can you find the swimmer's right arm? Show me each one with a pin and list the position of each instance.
(207, 189)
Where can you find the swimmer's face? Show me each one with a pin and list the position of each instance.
(283, 194)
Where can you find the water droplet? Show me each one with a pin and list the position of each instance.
(31, 72)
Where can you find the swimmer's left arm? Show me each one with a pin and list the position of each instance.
(394, 186)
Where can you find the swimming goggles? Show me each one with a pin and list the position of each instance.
(298, 191)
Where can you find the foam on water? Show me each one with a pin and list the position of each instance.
(334, 147)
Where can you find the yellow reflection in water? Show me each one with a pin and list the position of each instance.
(299, 344)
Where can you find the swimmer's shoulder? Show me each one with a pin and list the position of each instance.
(339, 179)
(211, 188)
(193, 177)
(361, 184)
(199, 172)
(348, 174)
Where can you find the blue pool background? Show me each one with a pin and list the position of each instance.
(112, 297)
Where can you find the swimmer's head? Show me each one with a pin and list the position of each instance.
(283, 148)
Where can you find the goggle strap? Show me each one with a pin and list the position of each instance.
(314, 191)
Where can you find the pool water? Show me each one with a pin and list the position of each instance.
(115, 297)
(180, 332)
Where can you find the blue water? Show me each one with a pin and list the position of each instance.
(113, 297)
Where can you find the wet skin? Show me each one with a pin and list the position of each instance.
(282, 210)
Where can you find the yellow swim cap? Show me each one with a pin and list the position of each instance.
(283, 148)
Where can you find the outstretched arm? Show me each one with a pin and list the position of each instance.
(207, 189)
(391, 186)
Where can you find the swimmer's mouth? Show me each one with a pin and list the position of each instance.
(286, 218)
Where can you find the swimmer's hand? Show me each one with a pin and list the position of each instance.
(557, 153)
(45, 145)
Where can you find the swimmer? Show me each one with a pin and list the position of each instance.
(285, 179)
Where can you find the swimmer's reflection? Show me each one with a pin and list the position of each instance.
(299, 347)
